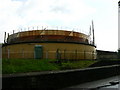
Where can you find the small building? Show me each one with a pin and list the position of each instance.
(106, 54)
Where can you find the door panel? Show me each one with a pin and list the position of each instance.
(38, 51)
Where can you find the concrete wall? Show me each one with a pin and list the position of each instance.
(58, 79)
(106, 54)
(66, 51)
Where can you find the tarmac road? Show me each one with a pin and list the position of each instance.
(111, 83)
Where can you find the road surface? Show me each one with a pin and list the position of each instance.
(111, 83)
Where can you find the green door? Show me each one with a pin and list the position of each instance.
(38, 51)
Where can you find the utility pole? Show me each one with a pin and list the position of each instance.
(13, 31)
(119, 25)
(119, 4)
(5, 38)
(119, 29)
(93, 33)
(89, 35)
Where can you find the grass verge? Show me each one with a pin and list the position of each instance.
(77, 64)
(10, 66)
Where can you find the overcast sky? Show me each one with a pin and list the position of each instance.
(74, 15)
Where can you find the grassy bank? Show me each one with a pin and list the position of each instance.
(32, 65)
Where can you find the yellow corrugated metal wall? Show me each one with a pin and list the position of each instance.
(66, 51)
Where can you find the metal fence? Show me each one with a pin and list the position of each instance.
(58, 54)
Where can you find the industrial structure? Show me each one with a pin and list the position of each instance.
(49, 44)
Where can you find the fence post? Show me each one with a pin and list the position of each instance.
(58, 56)
(22, 53)
(46, 54)
(92, 54)
(84, 54)
(75, 54)
(64, 53)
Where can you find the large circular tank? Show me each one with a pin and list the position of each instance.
(48, 36)
(49, 44)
